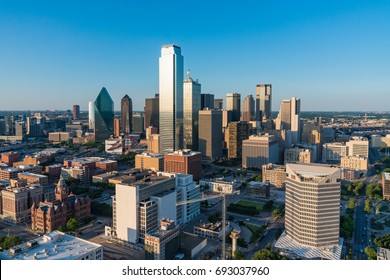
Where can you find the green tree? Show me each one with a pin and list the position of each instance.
(351, 203)
(370, 252)
(276, 213)
(73, 224)
(367, 206)
(238, 255)
(7, 242)
(266, 254)
(383, 241)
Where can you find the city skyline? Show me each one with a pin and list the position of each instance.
(314, 51)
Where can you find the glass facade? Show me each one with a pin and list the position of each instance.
(103, 114)
(171, 98)
(192, 104)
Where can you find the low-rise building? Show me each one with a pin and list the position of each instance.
(274, 174)
(59, 136)
(185, 162)
(354, 163)
(220, 185)
(386, 185)
(383, 254)
(258, 189)
(151, 161)
(55, 245)
(211, 231)
(34, 178)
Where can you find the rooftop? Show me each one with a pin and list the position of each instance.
(184, 153)
(387, 176)
(54, 245)
(32, 175)
(291, 248)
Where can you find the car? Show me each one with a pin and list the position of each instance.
(361, 250)
(247, 220)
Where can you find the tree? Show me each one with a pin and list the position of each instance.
(238, 255)
(370, 252)
(7, 242)
(367, 206)
(73, 224)
(268, 206)
(351, 203)
(383, 241)
(266, 254)
(276, 213)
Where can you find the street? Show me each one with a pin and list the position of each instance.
(360, 239)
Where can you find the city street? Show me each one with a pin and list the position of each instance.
(360, 239)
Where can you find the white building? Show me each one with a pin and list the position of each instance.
(171, 98)
(188, 190)
(55, 245)
(220, 185)
(358, 146)
(333, 152)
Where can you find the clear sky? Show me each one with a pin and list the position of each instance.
(334, 55)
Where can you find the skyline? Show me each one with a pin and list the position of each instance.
(315, 51)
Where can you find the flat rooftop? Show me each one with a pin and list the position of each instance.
(313, 170)
(54, 245)
(387, 176)
(33, 175)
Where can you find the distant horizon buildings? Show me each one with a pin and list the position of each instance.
(263, 102)
(248, 109)
(289, 120)
(233, 103)
(171, 98)
(152, 112)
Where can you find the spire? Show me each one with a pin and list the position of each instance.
(61, 191)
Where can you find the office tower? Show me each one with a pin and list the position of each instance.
(184, 161)
(218, 103)
(289, 120)
(263, 102)
(137, 207)
(210, 134)
(312, 210)
(154, 143)
(274, 174)
(126, 115)
(151, 112)
(20, 129)
(102, 116)
(187, 190)
(259, 150)
(358, 146)
(235, 134)
(333, 152)
(207, 101)
(354, 163)
(117, 127)
(76, 112)
(138, 122)
(171, 98)
(150, 130)
(151, 161)
(33, 128)
(298, 154)
(233, 103)
(2, 127)
(248, 109)
(191, 106)
(386, 185)
(91, 116)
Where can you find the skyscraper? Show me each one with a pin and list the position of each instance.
(102, 116)
(218, 103)
(207, 101)
(171, 98)
(312, 209)
(126, 115)
(289, 120)
(152, 110)
(248, 109)
(191, 101)
(76, 112)
(233, 103)
(210, 133)
(263, 102)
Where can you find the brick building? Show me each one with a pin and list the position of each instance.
(184, 161)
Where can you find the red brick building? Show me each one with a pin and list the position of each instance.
(48, 216)
(184, 161)
(10, 158)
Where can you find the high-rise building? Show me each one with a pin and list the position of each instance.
(206, 101)
(354, 163)
(191, 106)
(312, 211)
(102, 116)
(259, 150)
(185, 162)
(358, 146)
(117, 128)
(137, 207)
(233, 103)
(274, 174)
(248, 109)
(386, 185)
(333, 152)
(138, 122)
(234, 135)
(289, 120)
(210, 134)
(263, 102)
(76, 112)
(171, 98)
(151, 111)
(218, 103)
(126, 115)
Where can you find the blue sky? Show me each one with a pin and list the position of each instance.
(334, 55)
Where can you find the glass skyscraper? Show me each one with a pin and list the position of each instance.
(171, 98)
(126, 115)
(102, 116)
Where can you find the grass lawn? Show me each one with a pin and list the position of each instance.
(258, 205)
(252, 228)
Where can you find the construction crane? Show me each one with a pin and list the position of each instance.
(212, 196)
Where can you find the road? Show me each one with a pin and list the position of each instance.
(360, 239)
